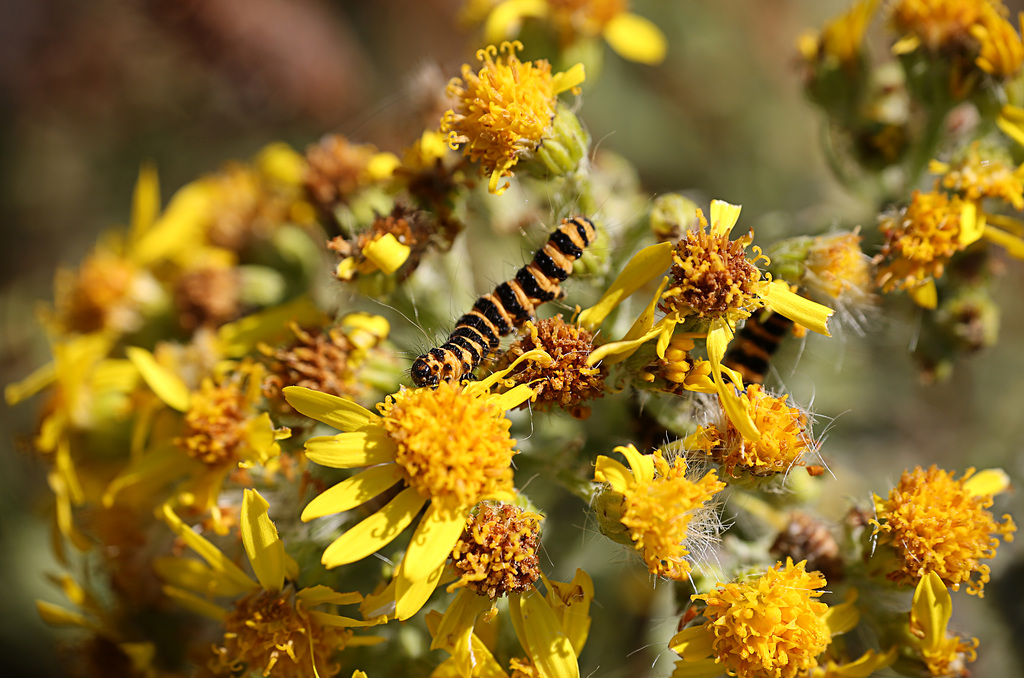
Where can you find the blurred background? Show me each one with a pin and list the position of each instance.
(88, 91)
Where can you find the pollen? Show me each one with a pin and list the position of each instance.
(567, 382)
(785, 437)
(919, 241)
(497, 552)
(503, 112)
(274, 635)
(661, 512)
(712, 276)
(773, 626)
(215, 424)
(452, 443)
(936, 524)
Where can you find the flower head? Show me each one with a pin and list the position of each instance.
(837, 268)
(785, 437)
(504, 112)
(497, 552)
(773, 626)
(982, 173)
(449, 447)
(269, 627)
(337, 169)
(568, 382)
(659, 507)
(938, 524)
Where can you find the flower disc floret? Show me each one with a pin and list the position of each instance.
(497, 552)
(274, 634)
(215, 424)
(919, 240)
(453, 445)
(712, 276)
(503, 112)
(939, 524)
(773, 626)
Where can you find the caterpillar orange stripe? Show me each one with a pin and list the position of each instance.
(751, 352)
(509, 306)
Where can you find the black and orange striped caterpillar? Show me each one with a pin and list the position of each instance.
(751, 352)
(510, 305)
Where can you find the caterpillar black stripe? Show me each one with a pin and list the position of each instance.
(509, 306)
(751, 352)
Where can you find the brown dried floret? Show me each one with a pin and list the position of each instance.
(207, 297)
(497, 552)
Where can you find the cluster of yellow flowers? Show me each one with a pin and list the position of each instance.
(231, 439)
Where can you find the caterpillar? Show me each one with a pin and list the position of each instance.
(510, 305)
(757, 341)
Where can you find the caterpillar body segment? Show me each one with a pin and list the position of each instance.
(510, 305)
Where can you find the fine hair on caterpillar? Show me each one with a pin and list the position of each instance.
(509, 306)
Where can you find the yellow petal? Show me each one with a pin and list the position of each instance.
(165, 384)
(280, 163)
(693, 644)
(868, 663)
(574, 599)
(546, 644)
(925, 294)
(1010, 122)
(375, 532)
(58, 616)
(353, 491)
(262, 543)
(802, 311)
(386, 253)
(341, 413)
(574, 77)
(1013, 245)
(617, 351)
(932, 608)
(646, 265)
(366, 447)
(411, 596)
(320, 595)
(382, 165)
(635, 38)
(145, 201)
(513, 397)
(972, 225)
(723, 217)
(433, 541)
(458, 621)
(180, 226)
(30, 385)
(220, 563)
(642, 464)
(506, 19)
(195, 575)
(906, 45)
(988, 482)
(608, 470)
(843, 617)
(159, 466)
(195, 603)
(702, 668)
(537, 355)
(337, 620)
(717, 341)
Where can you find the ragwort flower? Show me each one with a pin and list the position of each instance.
(449, 448)
(711, 282)
(773, 626)
(938, 524)
(509, 112)
(552, 630)
(661, 509)
(269, 626)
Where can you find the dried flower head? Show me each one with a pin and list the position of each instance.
(497, 552)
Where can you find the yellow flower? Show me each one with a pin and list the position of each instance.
(552, 629)
(632, 36)
(504, 113)
(448, 447)
(958, 32)
(770, 627)
(785, 437)
(980, 175)
(937, 524)
(944, 655)
(711, 282)
(660, 507)
(220, 431)
(837, 268)
(678, 371)
(270, 626)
